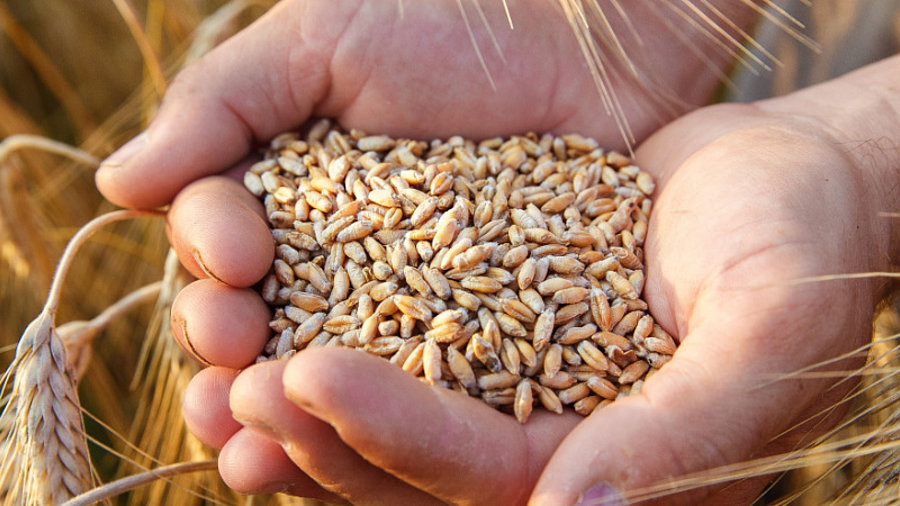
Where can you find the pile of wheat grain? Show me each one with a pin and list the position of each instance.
(509, 269)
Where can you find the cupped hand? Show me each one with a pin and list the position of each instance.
(754, 202)
(407, 69)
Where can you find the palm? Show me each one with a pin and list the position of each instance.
(748, 205)
(748, 208)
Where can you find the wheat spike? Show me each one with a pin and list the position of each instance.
(49, 432)
(42, 414)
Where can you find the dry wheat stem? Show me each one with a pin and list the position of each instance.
(196, 490)
(75, 243)
(126, 303)
(475, 46)
(593, 55)
(848, 373)
(79, 335)
(124, 440)
(781, 24)
(752, 42)
(161, 377)
(26, 141)
(490, 31)
(855, 453)
(211, 30)
(806, 370)
(172, 283)
(865, 370)
(870, 409)
(509, 20)
(43, 65)
(841, 277)
(740, 51)
(824, 454)
(122, 485)
(151, 61)
(204, 492)
(603, 48)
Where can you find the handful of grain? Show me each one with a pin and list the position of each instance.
(509, 269)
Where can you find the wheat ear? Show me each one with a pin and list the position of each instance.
(46, 459)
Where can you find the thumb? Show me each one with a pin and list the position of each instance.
(247, 89)
(715, 403)
(645, 440)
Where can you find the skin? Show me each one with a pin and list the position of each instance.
(313, 58)
(749, 199)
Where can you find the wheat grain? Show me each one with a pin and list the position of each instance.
(490, 263)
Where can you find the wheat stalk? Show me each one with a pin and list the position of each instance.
(151, 61)
(25, 141)
(136, 480)
(78, 335)
(46, 457)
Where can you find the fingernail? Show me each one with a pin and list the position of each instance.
(126, 152)
(261, 428)
(274, 487)
(189, 346)
(601, 494)
(200, 263)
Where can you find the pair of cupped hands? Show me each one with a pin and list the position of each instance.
(752, 201)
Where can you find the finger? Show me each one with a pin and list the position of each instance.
(205, 406)
(258, 401)
(219, 325)
(242, 91)
(218, 231)
(252, 463)
(452, 446)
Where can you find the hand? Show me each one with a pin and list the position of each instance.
(753, 199)
(756, 201)
(415, 74)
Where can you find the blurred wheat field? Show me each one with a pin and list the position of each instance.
(90, 74)
(74, 72)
